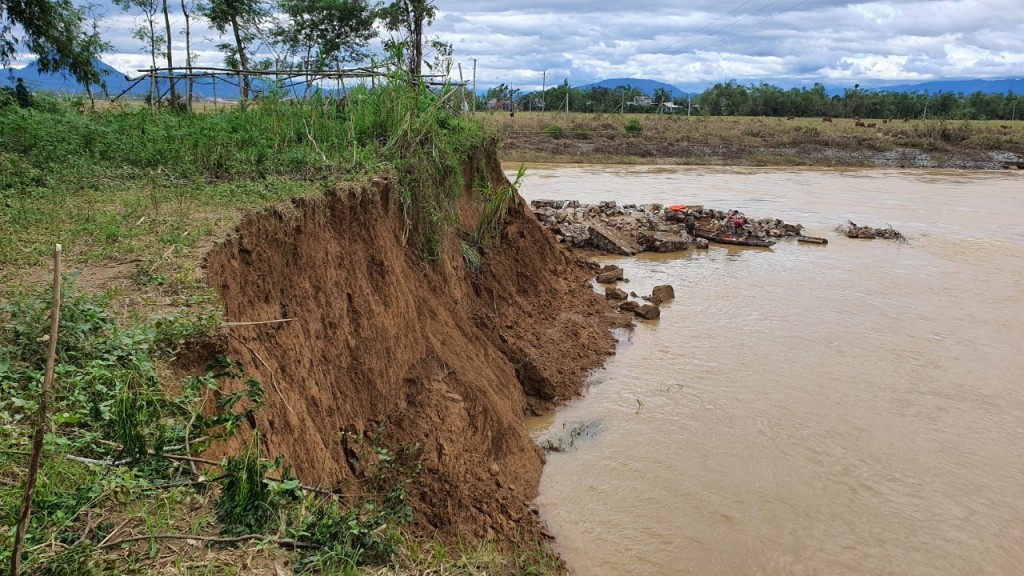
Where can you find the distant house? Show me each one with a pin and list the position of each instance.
(642, 101)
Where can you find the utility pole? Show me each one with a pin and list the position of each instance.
(474, 86)
(689, 104)
(544, 89)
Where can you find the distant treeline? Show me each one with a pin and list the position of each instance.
(733, 99)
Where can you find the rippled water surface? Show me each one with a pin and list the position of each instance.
(855, 408)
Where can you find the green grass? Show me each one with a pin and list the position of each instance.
(149, 191)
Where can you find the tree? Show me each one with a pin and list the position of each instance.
(244, 19)
(170, 56)
(54, 31)
(322, 32)
(186, 10)
(408, 17)
(145, 31)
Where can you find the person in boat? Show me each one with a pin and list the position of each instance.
(735, 223)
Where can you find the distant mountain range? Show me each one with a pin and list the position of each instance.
(116, 83)
(643, 85)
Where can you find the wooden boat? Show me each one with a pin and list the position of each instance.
(723, 237)
(812, 239)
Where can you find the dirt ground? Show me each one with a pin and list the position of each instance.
(424, 355)
(757, 141)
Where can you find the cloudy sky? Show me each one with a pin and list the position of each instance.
(698, 42)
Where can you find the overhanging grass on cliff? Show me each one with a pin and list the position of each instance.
(127, 183)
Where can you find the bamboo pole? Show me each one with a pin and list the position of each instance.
(37, 440)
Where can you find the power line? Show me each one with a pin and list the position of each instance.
(756, 24)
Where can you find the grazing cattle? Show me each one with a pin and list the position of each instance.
(856, 118)
(791, 117)
(887, 120)
(871, 125)
(826, 119)
(1006, 127)
(906, 119)
(859, 124)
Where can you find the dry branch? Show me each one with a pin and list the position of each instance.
(37, 440)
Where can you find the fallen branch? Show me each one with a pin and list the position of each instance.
(286, 542)
(37, 440)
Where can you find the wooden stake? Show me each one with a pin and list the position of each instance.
(37, 440)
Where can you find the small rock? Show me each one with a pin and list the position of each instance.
(701, 243)
(648, 312)
(612, 293)
(494, 470)
(629, 306)
(662, 293)
(611, 276)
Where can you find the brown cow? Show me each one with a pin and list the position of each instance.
(859, 124)
(791, 117)
(1006, 127)
(826, 119)
(871, 125)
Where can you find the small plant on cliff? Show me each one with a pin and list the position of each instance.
(497, 202)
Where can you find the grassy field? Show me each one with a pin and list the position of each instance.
(677, 139)
(135, 197)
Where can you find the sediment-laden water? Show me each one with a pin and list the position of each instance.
(855, 408)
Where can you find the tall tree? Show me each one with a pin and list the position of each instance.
(325, 32)
(53, 31)
(186, 10)
(243, 18)
(145, 31)
(408, 17)
(170, 55)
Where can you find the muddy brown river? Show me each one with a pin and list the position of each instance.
(855, 408)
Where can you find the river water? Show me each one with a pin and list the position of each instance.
(855, 408)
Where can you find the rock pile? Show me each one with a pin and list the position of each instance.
(633, 228)
(611, 274)
(852, 230)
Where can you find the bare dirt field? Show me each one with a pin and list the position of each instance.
(756, 141)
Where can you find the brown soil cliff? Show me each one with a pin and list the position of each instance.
(428, 353)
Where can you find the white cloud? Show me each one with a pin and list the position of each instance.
(696, 43)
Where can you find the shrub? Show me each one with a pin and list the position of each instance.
(633, 127)
(555, 131)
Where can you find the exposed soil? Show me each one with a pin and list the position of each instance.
(647, 150)
(427, 354)
(757, 141)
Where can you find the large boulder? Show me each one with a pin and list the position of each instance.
(663, 241)
(612, 241)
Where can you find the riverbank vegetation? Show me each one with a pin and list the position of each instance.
(734, 99)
